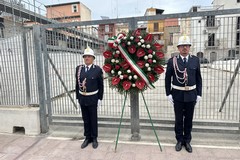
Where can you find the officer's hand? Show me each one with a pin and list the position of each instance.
(198, 99)
(170, 99)
(99, 103)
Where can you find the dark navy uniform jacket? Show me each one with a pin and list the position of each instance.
(194, 78)
(94, 81)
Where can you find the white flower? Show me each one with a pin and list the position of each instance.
(143, 46)
(112, 71)
(139, 43)
(119, 72)
(113, 60)
(154, 61)
(118, 41)
(135, 76)
(140, 37)
(121, 76)
(117, 61)
(133, 85)
(129, 77)
(142, 40)
(125, 38)
(131, 37)
(114, 44)
(145, 57)
(128, 71)
(117, 51)
(147, 65)
(129, 43)
(153, 53)
(149, 69)
(148, 46)
(150, 56)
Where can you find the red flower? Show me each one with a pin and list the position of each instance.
(150, 51)
(132, 49)
(137, 40)
(151, 77)
(107, 67)
(148, 38)
(140, 84)
(159, 69)
(160, 54)
(124, 64)
(150, 61)
(117, 67)
(126, 85)
(107, 54)
(115, 80)
(140, 64)
(140, 52)
(137, 32)
(158, 46)
(125, 76)
(116, 55)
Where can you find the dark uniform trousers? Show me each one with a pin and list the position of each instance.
(184, 100)
(88, 103)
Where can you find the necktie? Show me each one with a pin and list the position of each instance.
(87, 68)
(184, 60)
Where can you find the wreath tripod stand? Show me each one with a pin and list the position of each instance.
(123, 107)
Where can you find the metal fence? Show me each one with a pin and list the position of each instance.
(215, 41)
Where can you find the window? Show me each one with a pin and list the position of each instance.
(211, 39)
(155, 27)
(1, 33)
(74, 8)
(238, 22)
(106, 28)
(171, 39)
(210, 21)
(237, 40)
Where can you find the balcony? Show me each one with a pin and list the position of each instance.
(212, 44)
(212, 24)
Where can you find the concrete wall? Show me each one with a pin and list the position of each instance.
(20, 116)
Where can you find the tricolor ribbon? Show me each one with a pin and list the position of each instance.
(130, 61)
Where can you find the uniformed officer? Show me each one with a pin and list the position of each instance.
(89, 92)
(183, 85)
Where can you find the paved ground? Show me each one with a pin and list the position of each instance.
(64, 144)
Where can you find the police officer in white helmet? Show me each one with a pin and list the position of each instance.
(89, 92)
(183, 85)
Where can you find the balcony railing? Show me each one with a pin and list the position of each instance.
(212, 44)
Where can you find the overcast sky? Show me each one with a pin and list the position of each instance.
(130, 8)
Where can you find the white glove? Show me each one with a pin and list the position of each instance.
(170, 99)
(198, 99)
(99, 103)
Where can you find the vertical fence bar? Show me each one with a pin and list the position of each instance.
(25, 63)
(47, 79)
(40, 78)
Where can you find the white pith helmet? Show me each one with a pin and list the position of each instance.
(88, 52)
(184, 40)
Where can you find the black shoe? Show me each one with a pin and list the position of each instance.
(95, 143)
(188, 147)
(85, 143)
(178, 146)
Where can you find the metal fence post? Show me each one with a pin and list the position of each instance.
(40, 78)
(25, 63)
(134, 101)
(135, 126)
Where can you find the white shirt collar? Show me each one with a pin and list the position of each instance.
(89, 66)
(184, 57)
